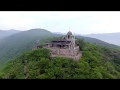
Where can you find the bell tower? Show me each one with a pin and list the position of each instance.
(71, 37)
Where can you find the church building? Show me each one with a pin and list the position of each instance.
(65, 47)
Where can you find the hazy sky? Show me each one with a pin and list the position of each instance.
(80, 22)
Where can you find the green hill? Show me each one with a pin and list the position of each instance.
(18, 43)
(97, 62)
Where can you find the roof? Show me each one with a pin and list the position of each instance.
(61, 42)
(69, 33)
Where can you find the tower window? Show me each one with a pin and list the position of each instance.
(68, 36)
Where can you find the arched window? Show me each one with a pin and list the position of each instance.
(68, 36)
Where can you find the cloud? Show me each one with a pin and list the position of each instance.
(81, 22)
(15, 20)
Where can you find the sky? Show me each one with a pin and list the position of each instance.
(79, 22)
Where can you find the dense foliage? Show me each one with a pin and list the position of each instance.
(97, 62)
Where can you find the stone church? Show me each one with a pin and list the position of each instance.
(65, 47)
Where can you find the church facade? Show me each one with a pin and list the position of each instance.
(65, 47)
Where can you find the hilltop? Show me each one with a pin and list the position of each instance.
(97, 62)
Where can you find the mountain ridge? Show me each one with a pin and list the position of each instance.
(6, 33)
(113, 38)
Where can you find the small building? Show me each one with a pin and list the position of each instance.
(64, 47)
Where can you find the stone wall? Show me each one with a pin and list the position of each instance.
(76, 58)
(73, 53)
(77, 50)
(64, 51)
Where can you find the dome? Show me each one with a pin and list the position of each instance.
(69, 33)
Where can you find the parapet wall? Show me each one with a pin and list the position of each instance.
(73, 53)
(67, 52)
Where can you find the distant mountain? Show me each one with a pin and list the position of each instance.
(97, 41)
(113, 38)
(5, 33)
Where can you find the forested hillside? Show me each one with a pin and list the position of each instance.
(16, 44)
(97, 62)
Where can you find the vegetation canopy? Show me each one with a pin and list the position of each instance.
(97, 62)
